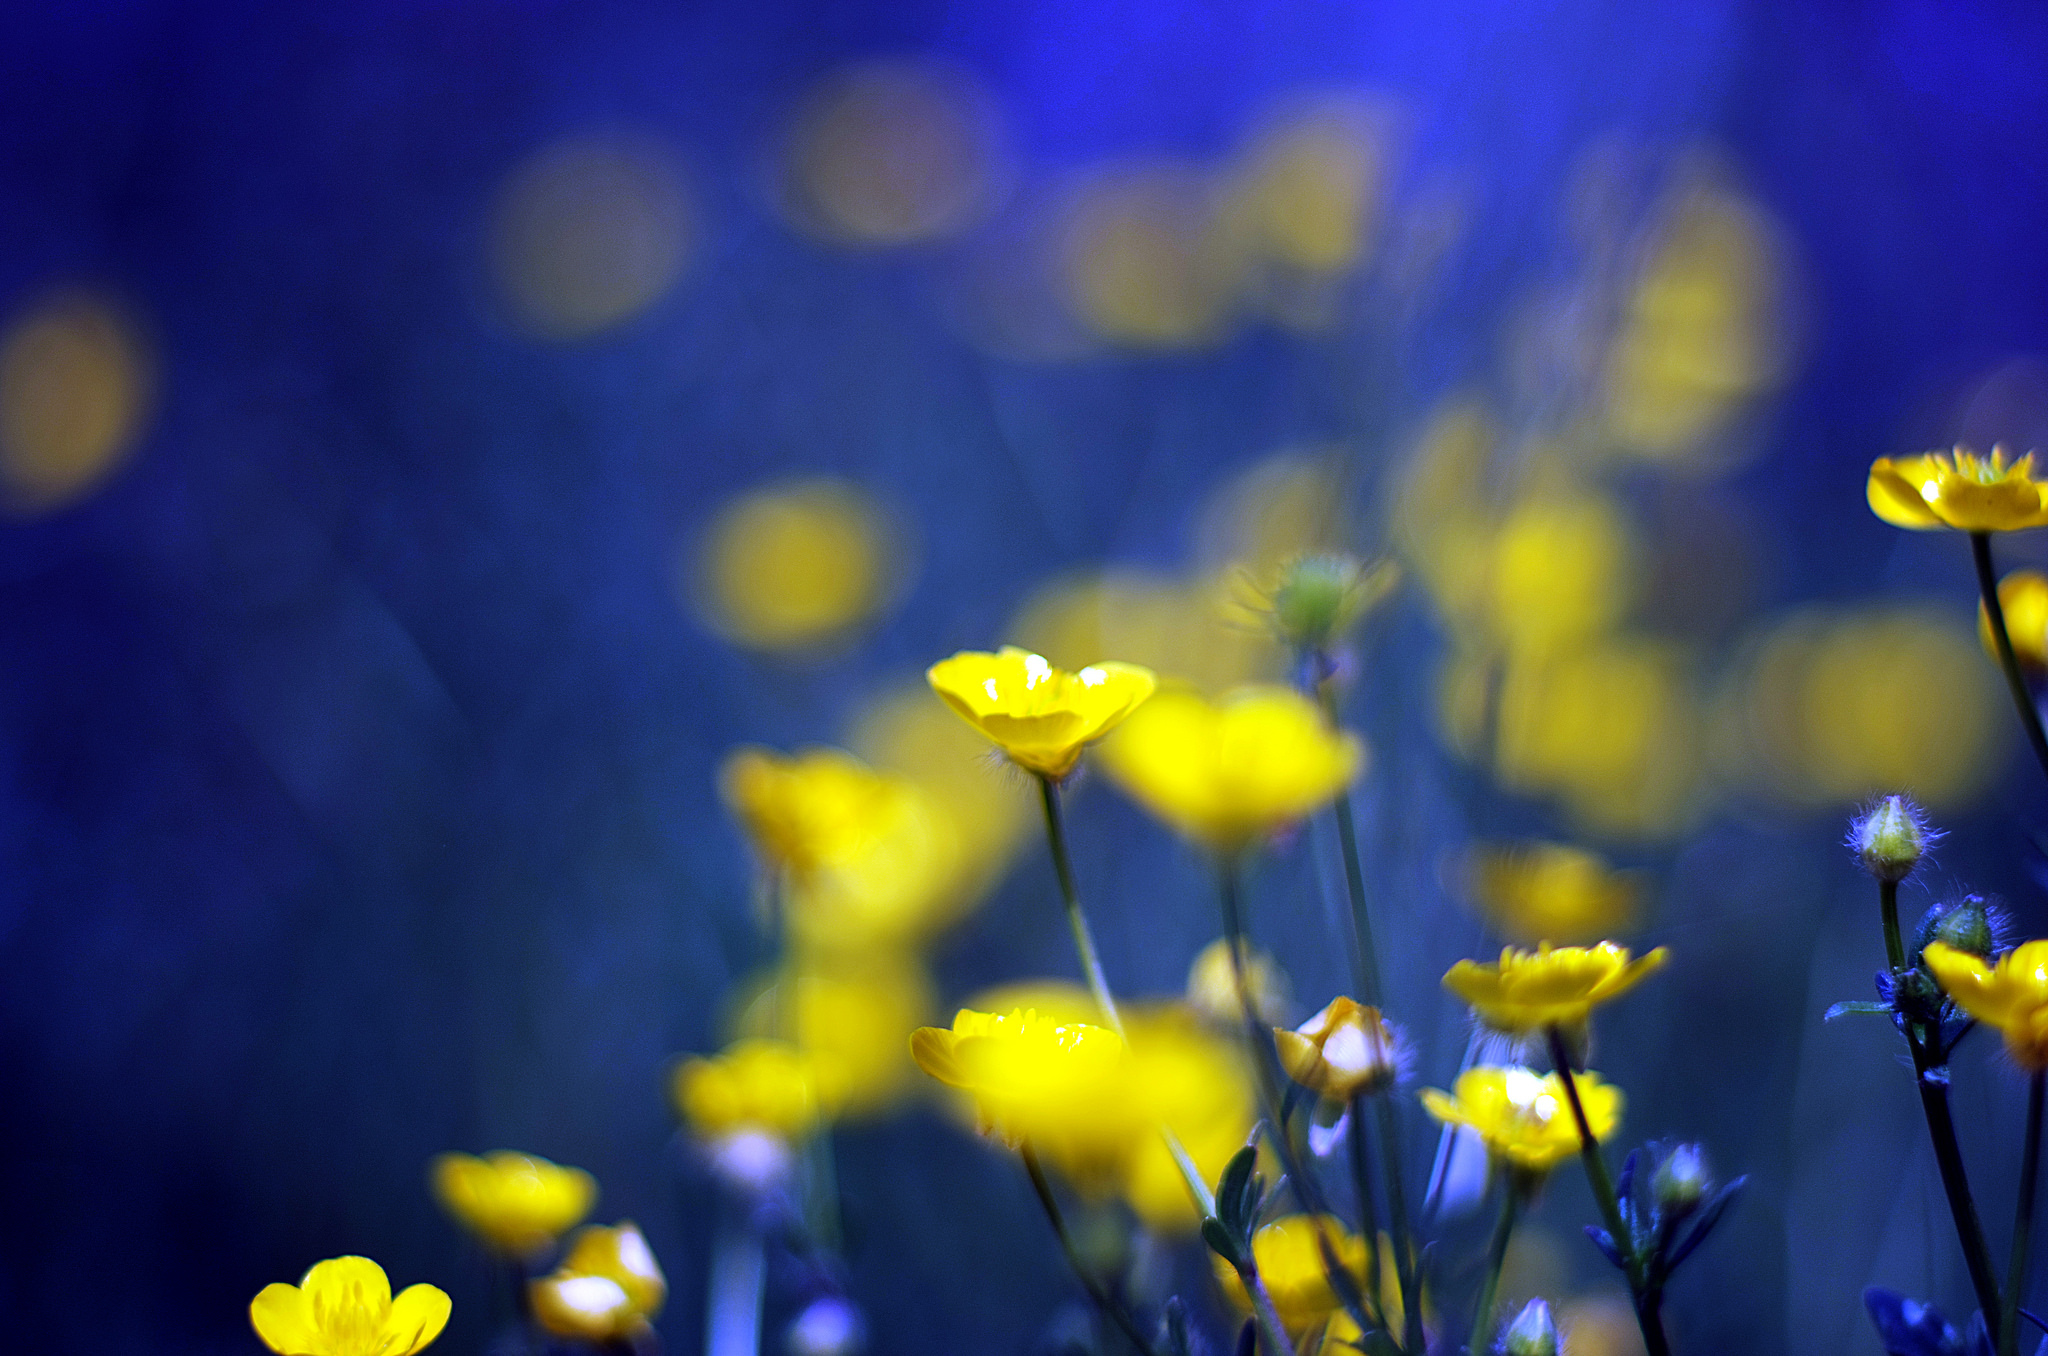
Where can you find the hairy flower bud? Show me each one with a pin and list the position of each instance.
(1964, 924)
(1533, 1333)
(1891, 838)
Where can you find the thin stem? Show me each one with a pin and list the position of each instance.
(1105, 1303)
(1077, 921)
(1368, 1205)
(1405, 1269)
(2023, 1221)
(1894, 944)
(2015, 682)
(1602, 1183)
(1496, 1258)
(1365, 956)
(732, 1314)
(1264, 1314)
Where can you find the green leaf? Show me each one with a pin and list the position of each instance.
(1223, 1243)
(1854, 1005)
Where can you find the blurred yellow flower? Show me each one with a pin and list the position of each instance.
(1193, 1081)
(851, 1018)
(1958, 490)
(605, 1290)
(344, 1307)
(1562, 566)
(808, 810)
(1038, 715)
(765, 1086)
(1550, 986)
(1059, 1087)
(1289, 1258)
(1346, 1050)
(1212, 985)
(797, 566)
(1525, 1117)
(2011, 996)
(2023, 598)
(1234, 771)
(516, 1203)
(1550, 892)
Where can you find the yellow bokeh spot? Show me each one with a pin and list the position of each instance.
(852, 1019)
(1146, 261)
(1837, 706)
(908, 733)
(77, 380)
(1440, 517)
(1283, 508)
(893, 153)
(588, 232)
(797, 565)
(1598, 1325)
(1196, 631)
(1560, 571)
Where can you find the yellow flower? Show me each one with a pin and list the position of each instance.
(1289, 1258)
(812, 809)
(1194, 1081)
(1061, 1087)
(764, 1086)
(1038, 715)
(1523, 1116)
(514, 1202)
(1228, 773)
(344, 1307)
(851, 1019)
(1549, 892)
(1212, 985)
(1550, 986)
(605, 1290)
(1344, 1051)
(1960, 490)
(2012, 996)
(2023, 597)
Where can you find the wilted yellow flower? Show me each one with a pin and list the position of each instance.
(1234, 771)
(1550, 892)
(765, 1086)
(344, 1307)
(1960, 490)
(1038, 715)
(1550, 986)
(1289, 1257)
(1344, 1051)
(605, 1290)
(1212, 985)
(514, 1202)
(1057, 1086)
(2023, 598)
(2012, 995)
(1523, 1116)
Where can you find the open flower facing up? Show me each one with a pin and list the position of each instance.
(605, 1290)
(516, 1203)
(2011, 995)
(1228, 773)
(1523, 1116)
(1958, 490)
(1550, 986)
(1039, 716)
(1345, 1051)
(1060, 1087)
(344, 1307)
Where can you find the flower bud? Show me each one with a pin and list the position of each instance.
(1533, 1333)
(1964, 924)
(1212, 986)
(1342, 1052)
(1319, 597)
(1681, 1181)
(1890, 838)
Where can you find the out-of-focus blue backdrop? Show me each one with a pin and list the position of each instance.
(357, 740)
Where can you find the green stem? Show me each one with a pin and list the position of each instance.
(1405, 1269)
(1602, 1183)
(1265, 1314)
(1368, 1205)
(1105, 1303)
(2023, 1221)
(1077, 921)
(2015, 681)
(1364, 956)
(1894, 943)
(1496, 1258)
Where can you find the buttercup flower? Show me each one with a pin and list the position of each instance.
(1523, 1116)
(1342, 1052)
(2023, 598)
(1958, 490)
(814, 808)
(2011, 995)
(605, 1290)
(1550, 986)
(344, 1307)
(1038, 715)
(516, 1203)
(1061, 1087)
(1234, 771)
(1550, 892)
(765, 1086)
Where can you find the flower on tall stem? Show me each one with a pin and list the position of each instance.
(1959, 490)
(344, 1307)
(516, 1203)
(1523, 1117)
(1041, 717)
(1530, 991)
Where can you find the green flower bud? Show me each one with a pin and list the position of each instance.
(1681, 1181)
(1964, 925)
(1319, 597)
(1891, 838)
(1533, 1333)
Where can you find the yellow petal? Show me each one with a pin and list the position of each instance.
(932, 1048)
(417, 1317)
(1896, 498)
(283, 1318)
(341, 1281)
